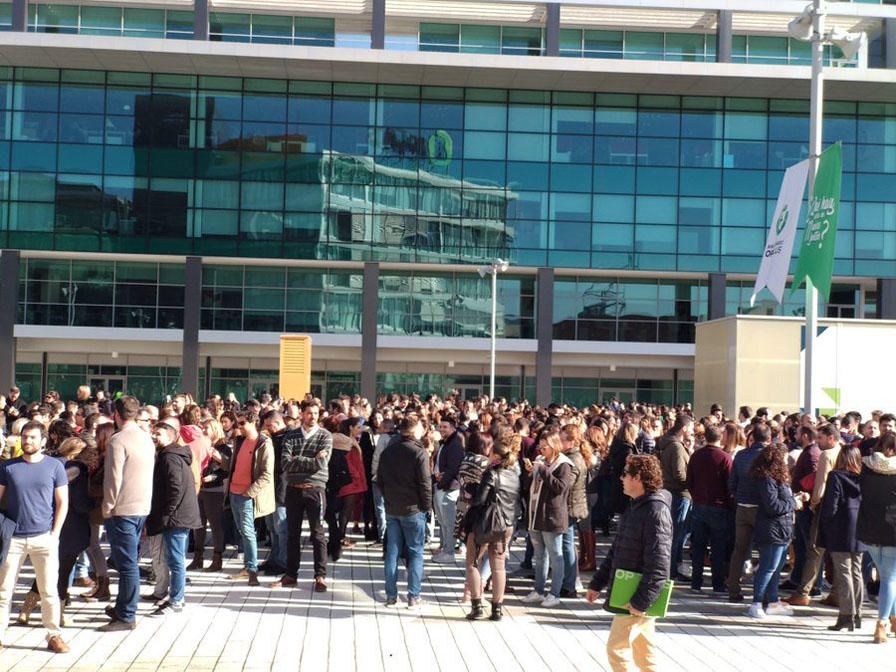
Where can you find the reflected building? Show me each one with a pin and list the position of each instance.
(205, 177)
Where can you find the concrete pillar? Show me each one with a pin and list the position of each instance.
(369, 310)
(20, 15)
(890, 43)
(200, 19)
(886, 298)
(544, 331)
(724, 36)
(378, 25)
(716, 296)
(192, 316)
(45, 375)
(552, 30)
(9, 305)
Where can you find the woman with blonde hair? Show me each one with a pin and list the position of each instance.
(211, 498)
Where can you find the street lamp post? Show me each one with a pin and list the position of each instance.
(809, 26)
(497, 266)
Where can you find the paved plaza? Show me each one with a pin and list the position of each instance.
(234, 628)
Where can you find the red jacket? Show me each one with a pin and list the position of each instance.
(355, 462)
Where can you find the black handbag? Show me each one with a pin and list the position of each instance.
(491, 525)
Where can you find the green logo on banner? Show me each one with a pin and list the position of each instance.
(782, 221)
(816, 260)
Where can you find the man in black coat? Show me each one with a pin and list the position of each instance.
(174, 510)
(643, 544)
(447, 468)
(404, 477)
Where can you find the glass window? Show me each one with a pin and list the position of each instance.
(101, 20)
(480, 39)
(315, 31)
(641, 46)
(439, 37)
(521, 41)
(227, 27)
(603, 43)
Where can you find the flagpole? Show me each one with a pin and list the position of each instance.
(816, 110)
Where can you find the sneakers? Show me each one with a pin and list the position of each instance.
(748, 567)
(550, 601)
(443, 558)
(779, 609)
(116, 626)
(756, 611)
(168, 607)
(391, 601)
(415, 602)
(534, 598)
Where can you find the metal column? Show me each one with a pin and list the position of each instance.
(378, 25)
(9, 302)
(724, 37)
(544, 331)
(369, 310)
(716, 308)
(552, 30)
(200, 19)
(192, 314)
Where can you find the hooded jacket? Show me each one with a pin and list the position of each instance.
(174, 501)
(201, 448)
(840, 514)
(877, 513)
(643, 544)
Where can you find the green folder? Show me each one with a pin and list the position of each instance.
(625, 583)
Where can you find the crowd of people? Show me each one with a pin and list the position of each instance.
(758, 494)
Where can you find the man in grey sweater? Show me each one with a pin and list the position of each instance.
(127, 498)
(305, 457)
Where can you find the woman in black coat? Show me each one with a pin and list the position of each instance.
(75, 534)
(837, 533)
(623, 446)
(773, 531)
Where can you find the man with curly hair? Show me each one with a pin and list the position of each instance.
(643, 544)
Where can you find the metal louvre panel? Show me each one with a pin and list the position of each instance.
(577, 16)
(472, 12)
(295, 7)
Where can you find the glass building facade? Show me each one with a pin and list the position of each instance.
(285, 188)
(131, 162)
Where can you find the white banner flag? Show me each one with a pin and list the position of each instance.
(779, 245)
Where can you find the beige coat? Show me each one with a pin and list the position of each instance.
(262, 489)
(127, 473)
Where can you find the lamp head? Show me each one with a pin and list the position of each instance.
(502, 265)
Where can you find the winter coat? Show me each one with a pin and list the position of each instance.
(355, 462)
(840, 514)
(75, 534)
(774, 516)
(448, 458)
(201, 447)
(404, 477)
(578, 499)
(262, 489)
(469, 476)
(619, 452)
(501, 485)
(174, 501)
(674, 462)
(643, 544)
(877, 513)
(549, 496)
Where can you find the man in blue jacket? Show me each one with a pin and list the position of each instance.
(744, 491)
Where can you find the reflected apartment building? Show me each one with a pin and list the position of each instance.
(182, 182)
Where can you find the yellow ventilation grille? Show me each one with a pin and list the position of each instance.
(295, 367)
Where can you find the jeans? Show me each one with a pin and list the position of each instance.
(123, 533)
(276, 523)
(379, 508)
(884, 558)
(81, 566)
(768, 572)
(243, 509)
(446, 510)
(681, 506)
(548, 549)
(710, 525)
(570, 567)
(175, 554)
(404, 532)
